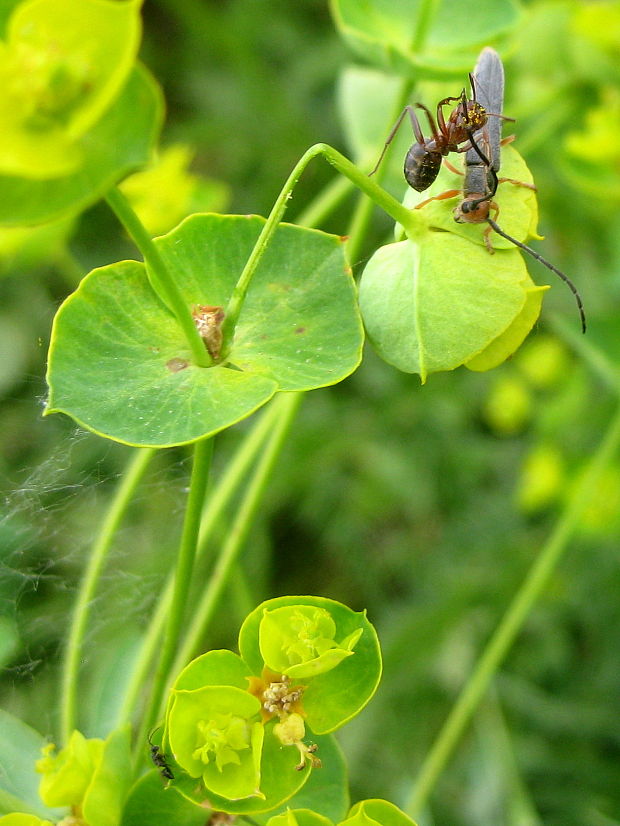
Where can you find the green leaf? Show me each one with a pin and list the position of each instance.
(105, 798)
(299, 329)
(384, 32)
(62, 65)
(299, 817)
(119, 143)
(20, 748)
(221, 667)
(20, 819)
(150, 803)
(332, 698)
(511, 339)
(377, 813)
(279, 781)
(518, 209)
(299, 641)
(326, 793)
(434, 305)
(211, 736)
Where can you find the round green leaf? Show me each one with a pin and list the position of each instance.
(20, 819)
(221, 667)
(118, 143)
(299, 329)
(433, 305)
(279, 781)
(512, 338)
(332, 698)
(377, 813)
(518, 209)
(300, 324)
(150, 803)
(299, 641)
(217, 720)
(382, 32)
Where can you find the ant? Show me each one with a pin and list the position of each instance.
(159, 759)
(423, 160)
(481, 180)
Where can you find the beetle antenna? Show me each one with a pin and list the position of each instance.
(549, 266)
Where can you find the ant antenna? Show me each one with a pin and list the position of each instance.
(549, 266)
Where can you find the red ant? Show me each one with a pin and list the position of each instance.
(423, 160)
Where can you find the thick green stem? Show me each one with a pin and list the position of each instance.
(185, 563)
(512, 622)
(159, 276)
(288, 404)
(73, 654)
(219, 498)
(413, 223)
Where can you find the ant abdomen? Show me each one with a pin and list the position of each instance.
(421, 167)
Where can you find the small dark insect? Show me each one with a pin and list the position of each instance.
(159, 760)
(482, 166)
(423, 160)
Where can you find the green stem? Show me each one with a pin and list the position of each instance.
(185, 563)
(426, 14)
(161, 280)
(358, 227)
(512, 622)
(412, 222)
(73, 654)
(288, 404)
(218, 499)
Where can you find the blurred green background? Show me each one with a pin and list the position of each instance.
(425, 505)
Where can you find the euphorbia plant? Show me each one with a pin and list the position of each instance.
(225, 314)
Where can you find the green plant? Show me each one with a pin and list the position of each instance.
(227, 314)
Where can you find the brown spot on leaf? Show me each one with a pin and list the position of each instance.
(175, 365)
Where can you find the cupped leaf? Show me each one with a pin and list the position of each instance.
(332, 698)
(279, 781)
(299, 329)
(67, 774)
(20, 748)
(299, 641)
(518, 209)
(120, 142)
(511, 339)
(150, 803)
(212, 736)
(20, 819)
(392, 34)
(221, 667)
(377, 812)
(105, 797)
(432, 306)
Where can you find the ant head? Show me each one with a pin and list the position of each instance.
(473, 210)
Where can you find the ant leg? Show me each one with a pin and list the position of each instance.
(517, 183)
(452, 168)
(443, 128)
(487, 233)
(416, 124)
(390, 137)
(449, 193)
